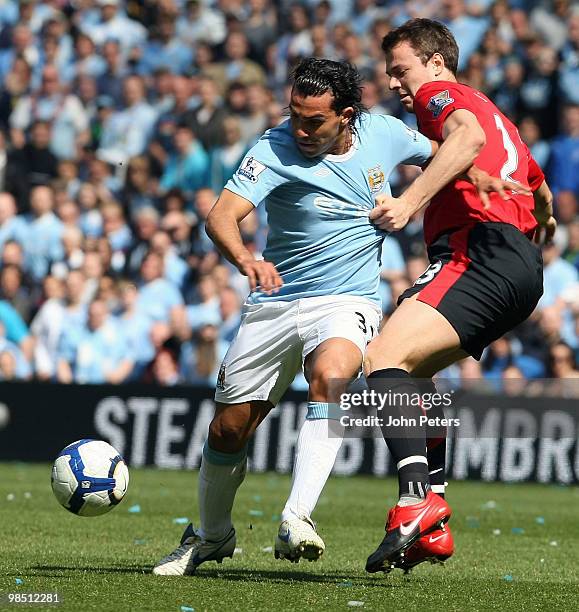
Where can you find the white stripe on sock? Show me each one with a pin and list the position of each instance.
(412, 459)
(438, 488)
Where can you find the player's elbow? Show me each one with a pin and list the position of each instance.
(474, 140)
(211, 225)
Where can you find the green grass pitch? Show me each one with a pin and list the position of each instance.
(104, 563)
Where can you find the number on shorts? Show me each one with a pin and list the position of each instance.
(429, 273)
(512, 163)
(362, 322)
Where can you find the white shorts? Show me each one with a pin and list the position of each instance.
(275, 338)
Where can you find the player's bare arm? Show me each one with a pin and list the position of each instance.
(463, 140)
(223, 228)
(544, 214)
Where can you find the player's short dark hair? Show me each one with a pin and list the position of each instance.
(426, 37)
(314, 77)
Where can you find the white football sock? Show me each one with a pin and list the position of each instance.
(317, 447)
(219, 478)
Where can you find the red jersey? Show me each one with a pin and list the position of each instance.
(504, 155)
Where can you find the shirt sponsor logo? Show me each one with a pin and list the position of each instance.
(439, 102)
(250, 169)
(376, 178)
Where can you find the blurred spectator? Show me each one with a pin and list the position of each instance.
(137, 327)
(158, 298)
(230, 312)
(467, 30)
(43, 233)
(558, 275)
(127, 131)
(15, 86)
(23, 46)
(188, 168)
(88, 62)
(98, 354)
(139, 185)
(205, 310)
(550, 22)
(564, 164)
(572, 252)
(36, 164)
(146, 221)
(165, 50)
(12, 290)
(206, 120)
(15, 329)
(12, 227)
(236, 65)
(13, 363)
(61, 110)
(110, 82)
(570, 61)
(73, 254)
(562, 361)
(175, 268)
(226, 159)
(255, 118)
(532, 137)
(91, 222)
(115, 25)
(46, 328)
(161, 144)
(115, 228)
(201, 23)
(165, 368)
(201, 357)
(260, 27)
(500, 355)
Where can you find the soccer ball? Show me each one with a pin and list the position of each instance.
(89, 477)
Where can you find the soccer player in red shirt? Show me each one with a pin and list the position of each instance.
(485, 274)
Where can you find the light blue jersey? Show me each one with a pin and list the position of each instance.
(320, 237)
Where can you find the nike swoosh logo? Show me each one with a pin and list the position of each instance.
(436, 471)
(433, 540)
(410, 527)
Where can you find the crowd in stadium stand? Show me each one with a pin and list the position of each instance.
(120, 123)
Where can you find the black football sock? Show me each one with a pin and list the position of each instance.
(435, 440)
(406, 440)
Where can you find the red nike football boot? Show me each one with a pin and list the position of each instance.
(406, 524)
(436, 547)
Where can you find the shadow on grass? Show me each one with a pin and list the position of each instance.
(233, 575)
(63, 570)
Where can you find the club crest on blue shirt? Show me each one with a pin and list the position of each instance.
(438, 103)
(376, 178)
(250, 169)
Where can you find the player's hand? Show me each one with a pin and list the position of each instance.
(546, 230)
(391, 214)
(485, 184)
(261, 274)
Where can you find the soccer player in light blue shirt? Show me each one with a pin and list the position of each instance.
(318, 175)
(321, 240)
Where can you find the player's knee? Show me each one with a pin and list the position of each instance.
(323, 380)
(226, 434)
(378, 358)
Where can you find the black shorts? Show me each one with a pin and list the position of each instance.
(484, 280)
